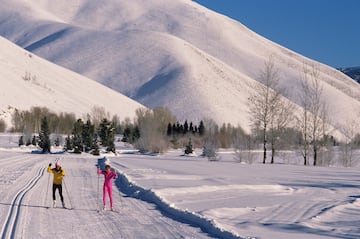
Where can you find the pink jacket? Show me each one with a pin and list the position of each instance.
(107, 176)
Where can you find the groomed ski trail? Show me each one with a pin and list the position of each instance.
(133, 218)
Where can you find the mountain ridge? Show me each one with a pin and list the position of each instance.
(353, 72)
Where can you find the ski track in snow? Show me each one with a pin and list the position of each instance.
(33, 219)
(9, 227)
(167, 197)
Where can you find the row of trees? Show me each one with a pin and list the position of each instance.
(181, 129)
(272, 115)
(39, 123)
(86, 137)
(276, 124)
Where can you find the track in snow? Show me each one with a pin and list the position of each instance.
(9, 227)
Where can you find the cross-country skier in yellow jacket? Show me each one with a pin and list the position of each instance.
(59, 173)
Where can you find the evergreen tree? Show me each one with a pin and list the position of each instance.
(189, 147)
(186, 127)
(68, 145)
(191, 128)
(104, 131)
(111, 145)
(44, 136)
(169, 131)
(174, 129)
(95, 149)
(34, 141)
(177, 127)
(136, 134)
(77, 141)
(88, 134)
(57, 142)
(126, 135)
(201, 128)
(21, 140)
(107, 135)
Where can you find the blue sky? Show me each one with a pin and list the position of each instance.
(324, 30)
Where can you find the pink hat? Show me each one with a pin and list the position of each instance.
(57, 164)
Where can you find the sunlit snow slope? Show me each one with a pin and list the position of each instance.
(28, 80)
(178, 54)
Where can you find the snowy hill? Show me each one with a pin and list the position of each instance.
(175, 53)
(28, 80)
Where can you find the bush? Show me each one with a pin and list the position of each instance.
(2, 125)
(189, 148)
(209, 149)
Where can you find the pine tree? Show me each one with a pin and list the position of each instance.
(126, 135)
(189, 148)
(57, 142)
(44, 136)
(169, 130)
(21, 140)
(104, 131)
(68, 145)
(201, 128)
(191, 128)
(186, 127)
(77, 141)
(136, 134)
(34, 141)
(88, 134)
(107, 135)
(95, 149)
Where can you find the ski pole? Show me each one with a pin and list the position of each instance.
(47, 189)
(97, 196)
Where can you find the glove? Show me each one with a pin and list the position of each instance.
(49, 164)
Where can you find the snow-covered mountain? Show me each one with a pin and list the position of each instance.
(353, 72)
(28, 80)
(176, 53)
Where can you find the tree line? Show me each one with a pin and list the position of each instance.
(276, 124)
(273, 115)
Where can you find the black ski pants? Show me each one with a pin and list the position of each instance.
(58, 186)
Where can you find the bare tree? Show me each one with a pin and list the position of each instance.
(152, 125)
(97, 114)
(349, 130)
(265, 100)
(312, 121)
(243, 146)
(210, 142)
(281, 117)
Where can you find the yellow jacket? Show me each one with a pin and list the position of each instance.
(58, 175)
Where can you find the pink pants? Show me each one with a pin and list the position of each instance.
(107, 189)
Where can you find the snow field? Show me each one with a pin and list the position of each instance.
(33, 219)
(260, 201)
(174, 196)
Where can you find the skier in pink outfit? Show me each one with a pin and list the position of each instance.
(107, 188)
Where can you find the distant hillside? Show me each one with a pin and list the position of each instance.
(28, 80)
(353, 72)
